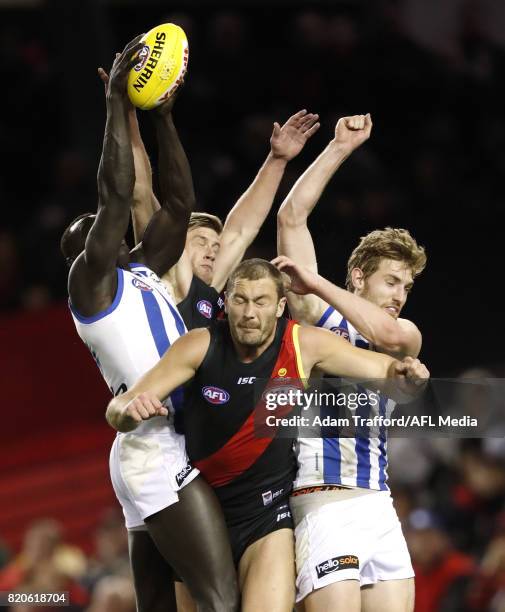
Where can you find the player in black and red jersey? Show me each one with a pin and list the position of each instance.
(251, 475)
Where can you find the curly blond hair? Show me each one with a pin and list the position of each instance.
(389, 243)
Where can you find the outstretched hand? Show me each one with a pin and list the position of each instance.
(123, 63)
(303, 281)
(352, 132)
(288, 140)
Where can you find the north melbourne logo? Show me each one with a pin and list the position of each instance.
(136, 282)
(342, 332)
(336, 564)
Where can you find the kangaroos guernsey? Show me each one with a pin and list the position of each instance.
(129, 337)
(355, 462)
(248, 472)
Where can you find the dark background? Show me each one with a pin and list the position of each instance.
(432, 77)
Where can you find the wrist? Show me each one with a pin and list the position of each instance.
(277, 160)
(317, 285)
(338, 150)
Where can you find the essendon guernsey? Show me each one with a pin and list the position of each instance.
(219, 420)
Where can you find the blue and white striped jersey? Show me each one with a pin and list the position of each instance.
(129, 337)
(356, 462)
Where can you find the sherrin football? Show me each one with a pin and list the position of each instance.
(163, 61)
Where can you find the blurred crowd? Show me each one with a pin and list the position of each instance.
(449, 495)
(100, 582)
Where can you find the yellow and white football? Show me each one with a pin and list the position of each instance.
(163, 61)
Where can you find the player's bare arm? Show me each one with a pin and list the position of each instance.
(143, 400)
(334, 356)
(247, 216)
(165, 236)
(145, 203)
(92, 279)
(293, 236)
(397, 337)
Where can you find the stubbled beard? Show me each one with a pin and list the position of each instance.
(249, 340)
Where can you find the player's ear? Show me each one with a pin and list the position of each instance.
(280, 307)
(358, 278)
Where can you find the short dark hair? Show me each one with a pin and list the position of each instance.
(202, 219)
(72, 242)
(254, 269)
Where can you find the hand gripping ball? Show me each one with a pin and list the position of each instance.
(163, 61)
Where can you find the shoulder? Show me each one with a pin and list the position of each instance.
(193, 345)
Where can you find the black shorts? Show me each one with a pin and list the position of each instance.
(250, 529)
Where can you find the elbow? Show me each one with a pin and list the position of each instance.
(393, 341)
(289, 216)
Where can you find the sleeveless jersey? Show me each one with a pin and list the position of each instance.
(202, 305)
(129, 337)
(356, 462)
(247, 471)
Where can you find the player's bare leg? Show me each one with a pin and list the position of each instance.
(343, 596)
(193, 538)
(389, 596)
(267, 573)
(152, 576)
(185, 602)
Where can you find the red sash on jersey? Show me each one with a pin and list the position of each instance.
(246, 446)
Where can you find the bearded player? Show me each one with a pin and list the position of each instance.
(252, 475)
(341, 501)
(127, 319)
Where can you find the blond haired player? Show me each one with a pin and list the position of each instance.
(348, 535)
(213, 250)
(252, 475)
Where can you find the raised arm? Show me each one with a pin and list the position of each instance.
(145, 203)
(397, 337)
(334, 356)
(116, 175)
(293, 236)
(165, 236)
(143, 401)
(247, 216)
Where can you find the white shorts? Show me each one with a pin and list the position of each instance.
(353, 539)
(146, 471)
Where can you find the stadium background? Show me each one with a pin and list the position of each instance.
(430, 72)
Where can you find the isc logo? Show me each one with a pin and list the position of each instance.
(215, 395)
(204, 307)
(246, 380)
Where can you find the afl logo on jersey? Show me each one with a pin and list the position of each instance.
(342, 332)
(136, 282)
(204, 307)
(215, 395)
